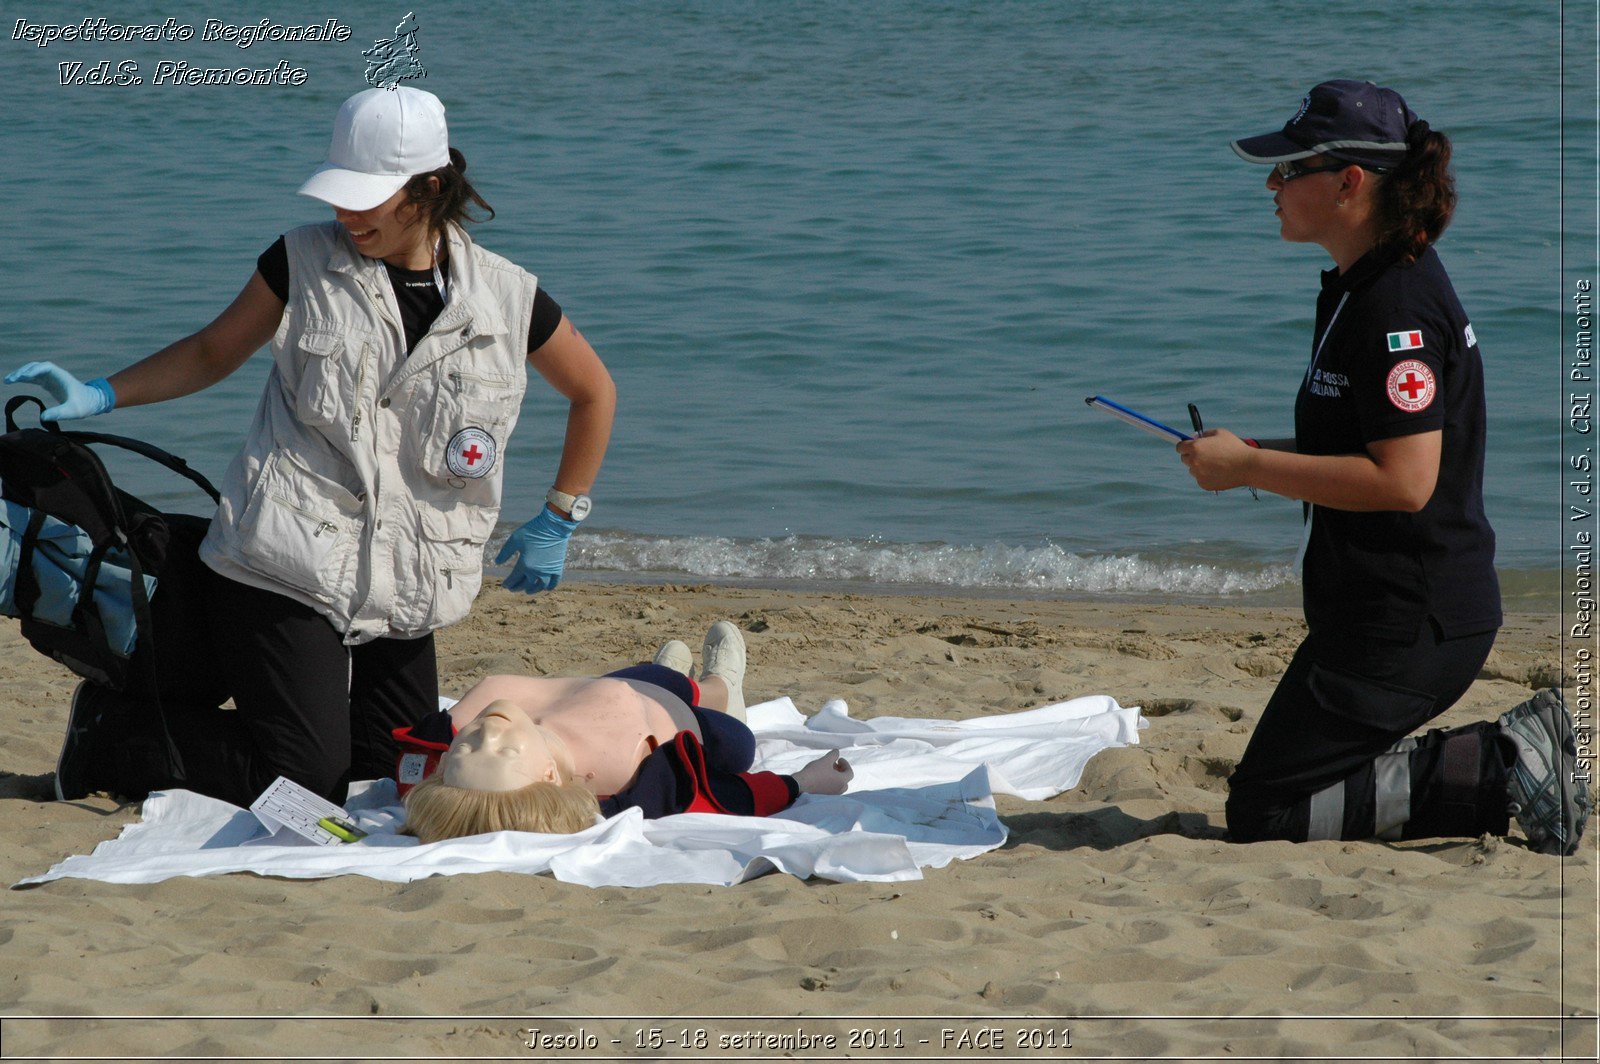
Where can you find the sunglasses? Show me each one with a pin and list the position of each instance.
(1288, 170)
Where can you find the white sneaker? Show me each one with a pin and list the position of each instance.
(723, 657)
(674, 654)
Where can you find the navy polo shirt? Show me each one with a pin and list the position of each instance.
(1393, 355)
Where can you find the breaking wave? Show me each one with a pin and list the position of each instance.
(1044, 568)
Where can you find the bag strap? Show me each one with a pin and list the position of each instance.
(27, 591)
(16, 401)
(150, 451)
(86, 615)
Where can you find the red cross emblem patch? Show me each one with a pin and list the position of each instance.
(1412, 385)
(471, 453)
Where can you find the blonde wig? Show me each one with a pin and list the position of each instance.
(435, 810)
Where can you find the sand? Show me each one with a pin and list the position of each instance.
(1117, 918)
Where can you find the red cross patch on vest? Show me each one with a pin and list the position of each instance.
(471, 453)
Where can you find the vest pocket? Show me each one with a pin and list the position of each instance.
(300, 527)
(462, 524)
(466, 437)
(317, 399)
(452, 550)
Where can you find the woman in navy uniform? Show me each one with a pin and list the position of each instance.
(1401, 599)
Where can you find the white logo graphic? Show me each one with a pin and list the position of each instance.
(389, 62)
(1411, 385)
(412, 767)
(471, 453)
(1472, 338)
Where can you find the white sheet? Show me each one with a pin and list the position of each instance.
(922, 797)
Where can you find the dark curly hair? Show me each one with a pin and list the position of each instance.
(1416, 199)
(451, 201)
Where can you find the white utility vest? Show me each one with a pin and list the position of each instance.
(370, 480)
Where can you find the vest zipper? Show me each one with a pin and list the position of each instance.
(361, 381)
(459, 378)
(323, 524)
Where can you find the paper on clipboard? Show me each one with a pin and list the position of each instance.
(287, 805)
(1138, 420)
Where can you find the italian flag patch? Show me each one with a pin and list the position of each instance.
(1405, 341)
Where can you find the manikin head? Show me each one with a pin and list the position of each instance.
(502, 773)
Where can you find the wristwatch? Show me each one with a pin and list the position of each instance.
(576, 505)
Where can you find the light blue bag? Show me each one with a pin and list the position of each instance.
(60, 558)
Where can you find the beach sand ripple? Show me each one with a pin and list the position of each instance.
(1121, 898)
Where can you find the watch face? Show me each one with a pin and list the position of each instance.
(581, 505)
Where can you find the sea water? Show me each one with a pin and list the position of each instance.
(854, 266)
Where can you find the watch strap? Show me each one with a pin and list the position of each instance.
(567, 503)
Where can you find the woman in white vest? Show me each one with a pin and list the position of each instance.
(353, 522)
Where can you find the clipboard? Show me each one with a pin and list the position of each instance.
(1138, 420)
(287, 805)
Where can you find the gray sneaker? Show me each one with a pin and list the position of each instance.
(1547, 798)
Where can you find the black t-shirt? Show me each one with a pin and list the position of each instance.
(1394, 355)
(417, 294)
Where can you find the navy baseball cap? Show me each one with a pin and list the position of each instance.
(1355, 121)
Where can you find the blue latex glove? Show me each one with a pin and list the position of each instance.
(542, 546)
(74, 399)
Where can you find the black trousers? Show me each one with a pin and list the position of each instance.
(308, 706)
(1330, 757)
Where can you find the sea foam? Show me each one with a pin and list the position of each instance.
(1043, 568)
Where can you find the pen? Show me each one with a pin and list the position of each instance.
(1199, 426)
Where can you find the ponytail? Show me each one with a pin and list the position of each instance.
(1416, 199)
(451, 201)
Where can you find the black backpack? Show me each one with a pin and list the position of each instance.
(53, 472)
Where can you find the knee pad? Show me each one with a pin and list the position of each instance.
(1466, 789)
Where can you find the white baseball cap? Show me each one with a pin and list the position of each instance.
(381, 139)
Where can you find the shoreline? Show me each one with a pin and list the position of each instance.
(1523, 592)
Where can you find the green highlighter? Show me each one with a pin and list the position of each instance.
(343, 829)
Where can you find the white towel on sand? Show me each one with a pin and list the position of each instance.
(922, 796)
